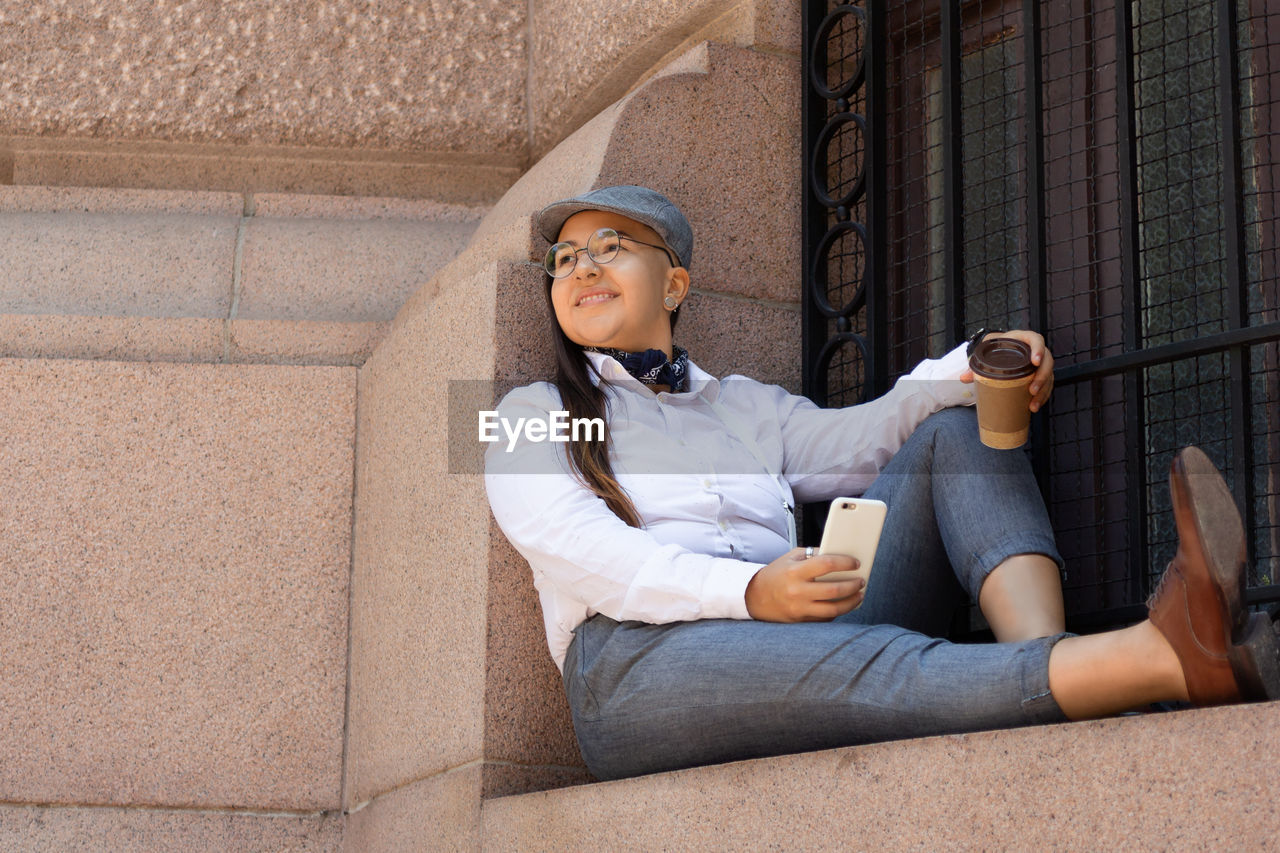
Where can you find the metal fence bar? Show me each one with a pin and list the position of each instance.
(1141, 359)
(1136, 475)
(952, 172)
(1033, 112)
(813, 215)
(876, 153)
(1237, 273)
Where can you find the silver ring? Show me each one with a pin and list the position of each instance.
(808, 552)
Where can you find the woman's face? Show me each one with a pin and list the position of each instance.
(618, 304)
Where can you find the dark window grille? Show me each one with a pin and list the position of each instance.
(1133, 218)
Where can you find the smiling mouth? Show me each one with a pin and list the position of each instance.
(595, 299)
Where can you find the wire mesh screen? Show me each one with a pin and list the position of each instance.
(1180, 182)
(1258, 67)
(1085, 296)
(1258, 36)
(1148, 256)
(915, 273)
(1187, 403)
(1265, 382)
(993, 174)
(1090, 495)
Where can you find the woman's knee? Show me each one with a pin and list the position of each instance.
(957, 424)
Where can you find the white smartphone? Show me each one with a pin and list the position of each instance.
(853, 529)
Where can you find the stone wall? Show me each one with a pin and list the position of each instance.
(253, 606)
(364, 97)
(453, 695)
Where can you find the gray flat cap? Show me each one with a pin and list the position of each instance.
(639, 203)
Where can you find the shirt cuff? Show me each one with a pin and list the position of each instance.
(725, 592)
(950, 366)
(940, 378)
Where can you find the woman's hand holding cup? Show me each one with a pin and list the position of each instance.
(1042, 382)
(787, 590)
(1014, 376)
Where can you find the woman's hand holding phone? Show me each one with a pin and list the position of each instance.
(787, 590)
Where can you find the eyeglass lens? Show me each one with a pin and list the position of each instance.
(602, 247)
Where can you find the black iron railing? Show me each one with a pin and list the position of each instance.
(1101, 171)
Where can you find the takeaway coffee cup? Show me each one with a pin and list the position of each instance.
(1002, 372)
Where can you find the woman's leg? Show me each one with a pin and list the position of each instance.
(657, 697)
(1022, 598)
(1103, 674)
(648, 698)
(965, 522)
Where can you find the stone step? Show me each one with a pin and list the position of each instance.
(1201, 779)
(170, 275)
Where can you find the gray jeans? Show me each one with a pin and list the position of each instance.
(647, 698)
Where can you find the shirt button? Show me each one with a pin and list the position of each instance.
(706, 484)
(724, 526)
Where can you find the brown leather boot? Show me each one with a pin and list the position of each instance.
(1199, 603)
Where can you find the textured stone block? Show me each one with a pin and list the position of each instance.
(418, 619)
(1192, 780)
(121, 264)
(526, 714)
(503, 780)
(341, 73)
(777, 25)
(302, 342)
(569, 85)
(340, 270)
(180, 339)
(757, 339)
(47, 199)
(438, 813)
(60, 829)
(176, 583)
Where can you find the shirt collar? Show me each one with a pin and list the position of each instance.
(701, 383)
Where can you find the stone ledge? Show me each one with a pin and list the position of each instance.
(188, 340)
(59, 829)
(167, 275)
(1192, 779)
(453, 178)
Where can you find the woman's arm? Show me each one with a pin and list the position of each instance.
(841, 451)
(594, 561)
(574, 542)
(830, 452)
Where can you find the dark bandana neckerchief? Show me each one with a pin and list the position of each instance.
(651, 367)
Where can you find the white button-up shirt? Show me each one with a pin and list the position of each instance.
(712, 513)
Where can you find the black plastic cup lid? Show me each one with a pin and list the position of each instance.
(1002, 358)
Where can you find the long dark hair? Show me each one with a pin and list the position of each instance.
(583, 398)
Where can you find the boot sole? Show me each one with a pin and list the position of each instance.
(1219, 528)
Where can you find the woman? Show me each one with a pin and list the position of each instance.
(689, 628)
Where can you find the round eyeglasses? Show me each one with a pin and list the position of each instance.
(602, 247)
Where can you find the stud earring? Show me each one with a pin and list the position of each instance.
(671, 303)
